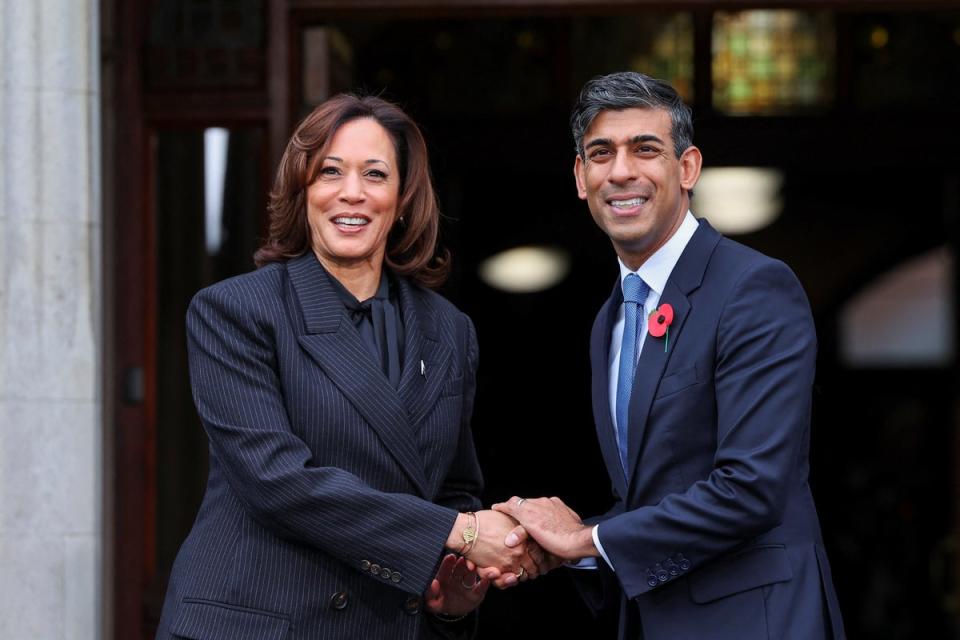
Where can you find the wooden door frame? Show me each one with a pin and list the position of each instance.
(131, 117)
(127, 319)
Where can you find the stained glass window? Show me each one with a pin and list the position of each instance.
(768, 62)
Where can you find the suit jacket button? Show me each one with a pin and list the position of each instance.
(365, 565)
(662, 575)
(683, 562)
(395, 576)
(673, 568)
(339, 601)
(652, 581)
(385, 573)
(412, 605)
(375, 569)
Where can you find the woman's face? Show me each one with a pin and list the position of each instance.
(353, 201)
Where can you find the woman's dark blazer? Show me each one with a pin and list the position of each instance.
(331, 493)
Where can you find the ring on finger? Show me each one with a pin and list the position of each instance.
(520, 501)
(521, 573)
(468, 585)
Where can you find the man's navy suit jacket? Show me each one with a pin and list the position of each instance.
(331, 494)
(714, 534)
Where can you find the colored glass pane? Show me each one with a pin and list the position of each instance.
(776, 61)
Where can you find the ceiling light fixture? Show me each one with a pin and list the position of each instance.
(738, 200)
(525, 269)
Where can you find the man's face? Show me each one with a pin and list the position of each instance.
(633, 182)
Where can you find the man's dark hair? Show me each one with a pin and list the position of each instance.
(630, 90)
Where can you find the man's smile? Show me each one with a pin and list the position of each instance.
(625, 204)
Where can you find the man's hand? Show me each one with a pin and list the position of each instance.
(554, 525)
(456, 591)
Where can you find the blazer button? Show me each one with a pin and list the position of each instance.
(412, 605)
(339, 601)
(662, 575)
(673, 568)
(652, 581)
(683, 562)
(385, 573)
(375, 569)
(395, 576)
(365, 565)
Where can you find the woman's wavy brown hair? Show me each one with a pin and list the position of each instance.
(412, 248)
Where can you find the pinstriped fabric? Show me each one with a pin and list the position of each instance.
(318, 467)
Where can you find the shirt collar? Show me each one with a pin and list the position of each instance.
(657, 268)
(350, 301)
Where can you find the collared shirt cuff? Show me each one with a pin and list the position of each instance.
(582, 563)
(596, 543)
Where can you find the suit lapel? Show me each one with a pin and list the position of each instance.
(338, 349)
(650, 367)
(426, 359)
(685, 278)
(599, 362)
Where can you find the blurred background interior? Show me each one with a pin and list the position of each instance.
(829, 132)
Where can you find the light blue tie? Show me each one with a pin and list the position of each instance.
(635, 292)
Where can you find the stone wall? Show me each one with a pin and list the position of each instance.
(50, 306)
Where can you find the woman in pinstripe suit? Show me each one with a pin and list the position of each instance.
(336, 390)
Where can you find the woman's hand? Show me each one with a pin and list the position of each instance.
(455, 591)
(505, 566)
(489, 550)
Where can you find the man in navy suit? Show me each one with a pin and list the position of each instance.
(713, 533)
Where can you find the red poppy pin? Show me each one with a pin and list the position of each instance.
(658, 323)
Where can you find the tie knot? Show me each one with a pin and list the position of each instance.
(635, 289)
(359, 311)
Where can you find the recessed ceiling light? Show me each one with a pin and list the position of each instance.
(738, 199)
(525, 269)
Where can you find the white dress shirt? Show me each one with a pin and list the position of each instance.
(655, 272)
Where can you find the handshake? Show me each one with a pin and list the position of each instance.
(512, 542)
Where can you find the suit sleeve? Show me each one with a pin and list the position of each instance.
(464, 482)
(763, 375)
(240, 402)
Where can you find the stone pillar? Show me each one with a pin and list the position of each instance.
(51, 533)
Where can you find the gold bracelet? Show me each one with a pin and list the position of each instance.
(470, 534)
(443, 617)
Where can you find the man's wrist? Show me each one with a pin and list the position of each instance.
(584, 547)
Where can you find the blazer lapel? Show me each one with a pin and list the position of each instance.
(599, 362)
(684, 279)
(338, 349)
(426, 359)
